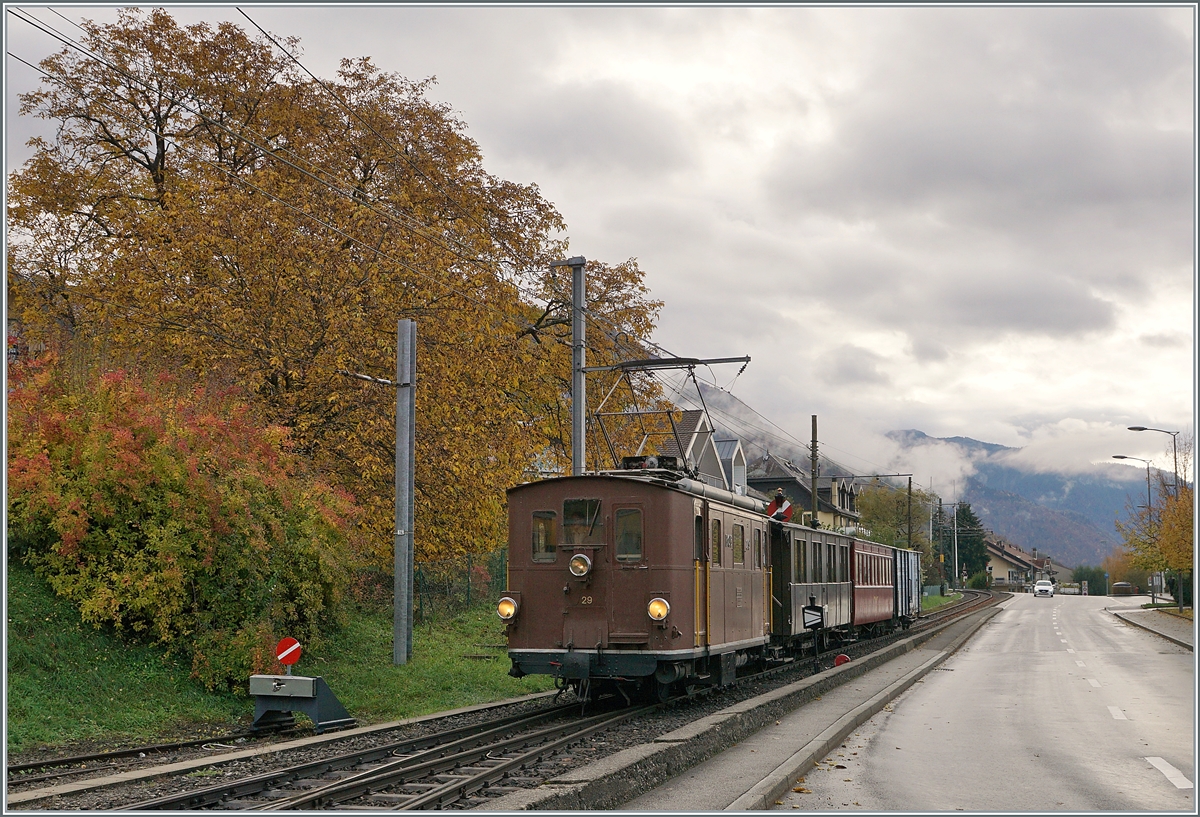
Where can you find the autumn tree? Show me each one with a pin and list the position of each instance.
(885, 512)
(1120, 567)
(207, 205)
(1160, 536)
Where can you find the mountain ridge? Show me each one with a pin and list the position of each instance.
(1070, 516)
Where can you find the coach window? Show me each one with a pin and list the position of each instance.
(543, 535)
(758, 562)
(801, 562)
(629, 535)
(716, 541)
(830, 562)
(582, 523)
(739, 545)
(844, 563)
(818, 562)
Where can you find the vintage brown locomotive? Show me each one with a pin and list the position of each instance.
(648, 578)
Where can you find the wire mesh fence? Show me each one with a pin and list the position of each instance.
(440, 588)
(448, 587)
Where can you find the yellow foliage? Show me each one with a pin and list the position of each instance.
(266, 234)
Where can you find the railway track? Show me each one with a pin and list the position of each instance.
(36, 771)
(457, 767)
(429, 772)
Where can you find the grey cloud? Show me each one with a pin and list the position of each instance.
(599, 127)
(1006, 127)
(1165, 340)
(849, 365)
(926, 349)
(1050, 306)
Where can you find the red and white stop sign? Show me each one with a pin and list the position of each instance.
(288, 651)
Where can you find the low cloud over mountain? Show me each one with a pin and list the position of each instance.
(1068, 515)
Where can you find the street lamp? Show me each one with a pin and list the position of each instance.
(1175, 458)
(1174, 452)
(1139, 459)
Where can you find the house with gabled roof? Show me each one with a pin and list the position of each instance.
(1011, 568)
(836, 500)
(692, 442)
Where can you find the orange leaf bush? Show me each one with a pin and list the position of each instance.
(169, 514)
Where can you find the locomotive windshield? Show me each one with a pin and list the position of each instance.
(543, 535)
(629, 535)
(582, 524)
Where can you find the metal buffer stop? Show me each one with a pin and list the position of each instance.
(276, 697)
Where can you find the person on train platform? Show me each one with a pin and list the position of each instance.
(780, 508)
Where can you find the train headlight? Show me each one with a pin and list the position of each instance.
(657, 609)
(506, 608)
(580, 565)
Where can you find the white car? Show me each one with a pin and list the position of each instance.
(1044, 588)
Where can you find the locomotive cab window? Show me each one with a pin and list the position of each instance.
(582, 523)
(544, 523)
(699, 554)
(628, 526)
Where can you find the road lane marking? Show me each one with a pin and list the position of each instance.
(1080, 663)
(1172, 774)
(1063, 640)
(1117, 714)
(1070, 650)
(1093, 682)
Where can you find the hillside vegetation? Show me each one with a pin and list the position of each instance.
(71, 683)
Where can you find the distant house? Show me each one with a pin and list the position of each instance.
(1010, 566)
(837, 497)
(1044, 569)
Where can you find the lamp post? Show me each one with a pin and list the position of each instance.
(1139, 459)
(1175, 492)
(1174, 453)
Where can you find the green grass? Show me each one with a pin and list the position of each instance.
(70, 683)
(934, 602)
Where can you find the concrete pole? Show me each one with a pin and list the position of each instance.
(406, 366)
(578, 361)
(910, 530)
(813, 476)
(956, 541)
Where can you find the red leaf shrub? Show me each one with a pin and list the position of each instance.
(169, 514)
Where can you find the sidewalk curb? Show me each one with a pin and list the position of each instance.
(1152, 630)
(764, 794)
(618, 778)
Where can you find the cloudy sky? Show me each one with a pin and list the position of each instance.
(969, 221)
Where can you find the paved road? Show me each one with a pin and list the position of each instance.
(1055, 705)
